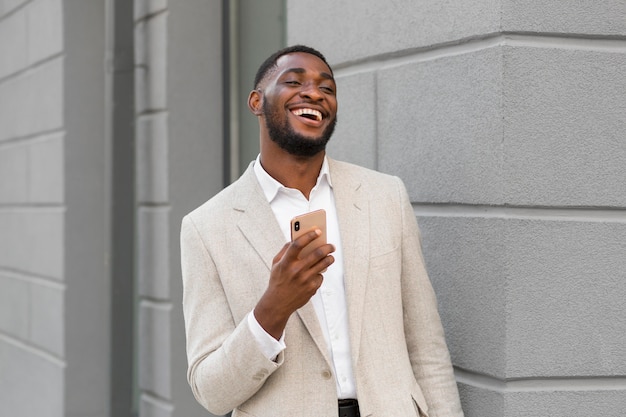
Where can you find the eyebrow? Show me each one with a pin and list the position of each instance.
(302, 71)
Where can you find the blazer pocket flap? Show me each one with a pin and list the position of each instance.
(419, 400)
(384, 259)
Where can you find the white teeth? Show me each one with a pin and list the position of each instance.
(312, 112)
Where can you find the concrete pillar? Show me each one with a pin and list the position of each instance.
(505, 119)
(87, 218)
(180, 164)
(54, 298)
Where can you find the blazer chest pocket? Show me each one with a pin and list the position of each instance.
(418, 411)
(388, 260)
(419, 402)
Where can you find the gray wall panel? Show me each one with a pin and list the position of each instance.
(551, 402)
(150, 63)
(25, 371)
(47, 325)
(566, 292)
(33, 241)
(564, 125)
(46, 169)
(14, 306)
(350, 30)
(440, 124)
(466, 261)
(152, 158)
(481, 401)
(30, 103)
(581, 17)
(355, 136)
(155, 347)
(153, 253)
(517, 294)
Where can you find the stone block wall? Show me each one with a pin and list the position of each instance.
(504, 118)
(53, 224)
(179, 165)
(32, 208)
(151, 179)
(506, 121)
(63, 323)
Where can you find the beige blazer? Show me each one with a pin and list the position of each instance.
(401, 362)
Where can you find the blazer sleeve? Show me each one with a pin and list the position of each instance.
(425, 338)
(226, 365)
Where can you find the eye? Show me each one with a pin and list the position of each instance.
(327, 89)
(292, 82)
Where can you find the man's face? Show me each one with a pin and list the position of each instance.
(299, 105)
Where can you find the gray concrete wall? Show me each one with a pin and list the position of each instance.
(504, 118)
(87, 219)
(506, 121)
(63, 68)
(179, 166)
(54, 322)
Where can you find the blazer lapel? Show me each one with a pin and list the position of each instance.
(257, 221)
(309, 317)
(258, 224)
(353, 214)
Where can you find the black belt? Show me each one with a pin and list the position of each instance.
(349, 408)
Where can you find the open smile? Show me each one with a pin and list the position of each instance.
(308, 113)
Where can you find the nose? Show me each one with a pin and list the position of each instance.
(311, 91)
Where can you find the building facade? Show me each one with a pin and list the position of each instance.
(505, 119)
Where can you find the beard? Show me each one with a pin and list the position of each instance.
(286, 138)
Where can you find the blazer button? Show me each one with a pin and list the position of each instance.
(260, 375)
(326, 374)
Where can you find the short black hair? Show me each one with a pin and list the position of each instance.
(270, 62)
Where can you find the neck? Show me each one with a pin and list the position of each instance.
(291, 171)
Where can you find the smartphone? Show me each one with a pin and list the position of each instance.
(307, 222)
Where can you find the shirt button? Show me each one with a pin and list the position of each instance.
(326, 374)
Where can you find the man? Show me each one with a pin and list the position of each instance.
(351, 327)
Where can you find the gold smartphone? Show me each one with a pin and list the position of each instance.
(307, 222)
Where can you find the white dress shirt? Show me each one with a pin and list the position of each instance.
(330, 300)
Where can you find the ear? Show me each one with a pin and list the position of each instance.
(255, 102)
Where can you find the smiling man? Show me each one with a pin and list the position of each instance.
(351, 328)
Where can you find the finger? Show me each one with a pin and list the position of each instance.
(297, 245)
(321, 265)
(319, 280)
(318, 254)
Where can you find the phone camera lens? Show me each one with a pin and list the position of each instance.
(296, 226)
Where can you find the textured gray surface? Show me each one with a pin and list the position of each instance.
(512, 148)
(350, 30)
(505, 119)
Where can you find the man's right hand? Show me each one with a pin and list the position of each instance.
(293, 281)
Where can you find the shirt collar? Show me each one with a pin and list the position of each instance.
(271, 187)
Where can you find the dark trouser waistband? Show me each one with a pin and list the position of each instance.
(349, 408)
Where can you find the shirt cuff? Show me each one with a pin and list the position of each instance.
(269, 346)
